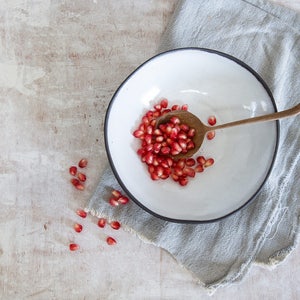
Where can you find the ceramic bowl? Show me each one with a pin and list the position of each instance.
(211, 83)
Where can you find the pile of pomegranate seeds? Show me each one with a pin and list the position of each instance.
(115, 225)
(79, 177)
(171, 138)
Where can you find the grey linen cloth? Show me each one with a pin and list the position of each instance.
(266, 37)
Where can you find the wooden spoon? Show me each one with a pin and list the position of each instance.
(201, 129)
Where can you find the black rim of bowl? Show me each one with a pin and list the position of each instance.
(123, 186)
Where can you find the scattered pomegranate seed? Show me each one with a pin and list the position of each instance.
(111, 241)
(81, 177)
(83, 163)
(77, 184)
(74, 247)
(212, 120)
(209, 162)
(73, 170)
(81, 213)
(115, 225)
(113, 201)
(123, 200)
(210, 135)
(102, 222)
(117, 194)
(77, 227)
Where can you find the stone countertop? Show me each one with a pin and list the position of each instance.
(61, 61)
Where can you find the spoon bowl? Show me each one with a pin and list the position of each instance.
(201, 129)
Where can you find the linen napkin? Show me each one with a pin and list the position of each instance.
(266, 37)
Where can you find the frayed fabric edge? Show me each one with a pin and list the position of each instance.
(210, 288)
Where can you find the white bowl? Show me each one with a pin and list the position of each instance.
(211, 83)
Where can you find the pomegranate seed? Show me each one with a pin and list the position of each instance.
(175, 120)
(185, 128)
(212, 120)
(184, 107)
(77, 184)
(190, 145)
(73, 170)
(117, 194)
(164, 103)
(154, 176)
(209, 162)
(123, 200)
(83, 163)
(210, 135)
(175, 107)
(145, 121)
(190, 162)
(199, 168)
(101, 222)
(113, 202)
(149, 158)
(138, 133)
(115, 225)
(74, 247)
(165, 150)
(111, 241)
(81, 213)
(77, 227)
(201, 160)
(183, 181)
(81, 177)
(189, 171)
(191, 132)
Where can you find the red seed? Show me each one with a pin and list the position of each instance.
(74, 247)
(183, 181)
(190, 162)
(138, 133)
(81, 213)
(212, 120)
(101, 222)
(184, 107)
(189, 171)
(157, 107)
(165, 150)
(210, 135)
(199, 168)
(175, 107)
(123, 200)
(83, 163)
(164, 103)
(191, 132)
(113, 201)
(73, 170)
(115, 225)
(111, 241)
(175, 120)
(201, 160)
(81, 177)
(209, 162)
(77, 227)
(77, 184)
(117, 194)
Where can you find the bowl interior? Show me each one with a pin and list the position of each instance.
(211, 84)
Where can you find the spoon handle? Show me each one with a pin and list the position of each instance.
(270, 117)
